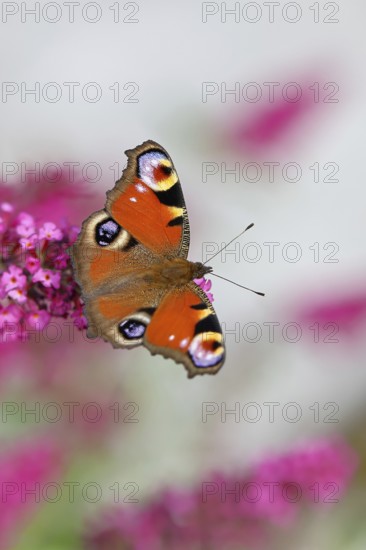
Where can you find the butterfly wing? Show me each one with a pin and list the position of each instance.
(178, 324)
(145, 218)
(121, 317)
(185, 328)
(111, 268)
(105, 255)
(148, 202)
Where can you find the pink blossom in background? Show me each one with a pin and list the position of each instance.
(50, 232)
(79, 319)
(38, 319)
(268, 125)
(56, 199)
(277, 121)
(7, 207)
(25, 225)
(36, 280)
(9, 314)
(347, 313)
(319, 471)
(47, 277)
(18, 295)
(32, 264)
(13, 278)
(22, 467)
(228, 511)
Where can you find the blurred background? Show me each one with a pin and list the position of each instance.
(261, 106)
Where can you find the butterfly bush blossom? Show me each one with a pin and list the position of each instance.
(205, 285)
(228, 511)
(36, 278)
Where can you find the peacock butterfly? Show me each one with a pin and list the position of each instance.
(130, 260)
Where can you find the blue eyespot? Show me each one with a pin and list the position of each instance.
(132, 329)
(206, 350)
(106, 232)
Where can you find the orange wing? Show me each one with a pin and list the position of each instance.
(148, 201)
(185, 328)
(106, 256)
(179, 324)
(121, 317)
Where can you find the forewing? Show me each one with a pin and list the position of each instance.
(105, 255)
(148, 201)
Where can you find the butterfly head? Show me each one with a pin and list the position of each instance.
(200, 270)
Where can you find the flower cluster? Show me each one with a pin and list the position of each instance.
(36, 279)
(232, 511)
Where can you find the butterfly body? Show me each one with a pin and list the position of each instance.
(175, 272)
(131, 263)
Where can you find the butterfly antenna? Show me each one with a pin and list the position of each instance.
(232, 240)
(237, 284)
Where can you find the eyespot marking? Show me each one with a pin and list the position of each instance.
(106, 232)
(166, 170)
(206, 350)
(132, 329)
(156, 170)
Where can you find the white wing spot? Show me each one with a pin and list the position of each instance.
(183, 343)
(139, 187)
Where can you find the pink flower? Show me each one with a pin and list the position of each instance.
(10, 327)
(25, 219)
(9, 314)
(7, 207)
(32, 264)
(38, 319)
(39, 276)
(205, 284)
(13, 278)
(26, 225)
(61, 260)
(79, 319)
(18, 295)
(28, 243)
(49, 231)
(47, 277)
